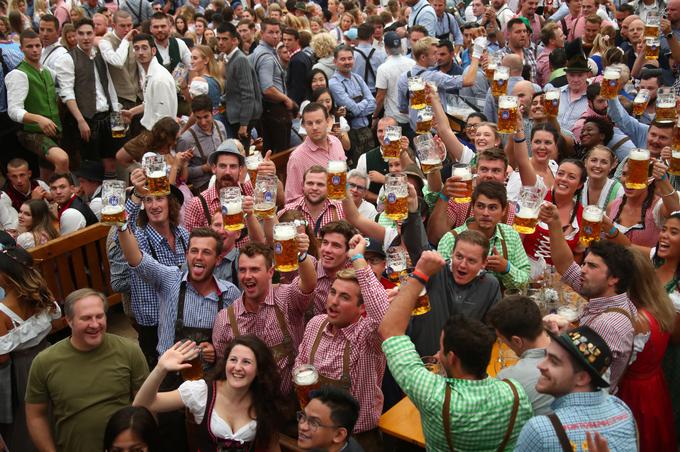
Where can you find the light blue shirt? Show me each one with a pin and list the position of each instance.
(447, 26)
(570, 111)
(379, 56)
(352, 93)
(526, 373)
(628, 125)
(423, 14)
(269, 70)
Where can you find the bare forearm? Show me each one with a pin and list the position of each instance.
(438, 223)
(130, 247)
(307, 276)
(73, 108)
(39, 427)
(561, 253)
(274, 95)
(255, 231)
(146, 396)
(398, 314)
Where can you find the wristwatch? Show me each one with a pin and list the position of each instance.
(670, 36)
(302, 257)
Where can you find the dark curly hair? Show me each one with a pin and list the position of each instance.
(604, 125)
(267, 401)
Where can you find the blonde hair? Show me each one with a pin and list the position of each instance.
(423, 46)
(348, 274)
(647, 292)
(603, 41)
(323, 44)
(213, 66)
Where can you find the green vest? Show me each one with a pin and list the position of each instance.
(41, 98)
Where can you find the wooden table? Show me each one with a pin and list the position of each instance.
(403, 419)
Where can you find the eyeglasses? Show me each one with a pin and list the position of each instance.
(375, 260)
(356, 187)
(313, 423)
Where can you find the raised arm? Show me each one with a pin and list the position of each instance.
(413, 229)
(307, 270)
(562, 256)
(366, 226)
(521, 155)
(130, 247)
(454, 147)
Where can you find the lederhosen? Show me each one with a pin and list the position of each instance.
(446, 416)
(196, 334)
(204, 159)
(344, 382)
(206, 440)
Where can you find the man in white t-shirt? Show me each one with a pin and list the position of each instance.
(357, 182)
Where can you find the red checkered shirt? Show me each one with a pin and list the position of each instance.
(323, 286)
(459, 213)
(264, 324)
(194, 215)
(332, 212)
(614, 327)
(367, 361)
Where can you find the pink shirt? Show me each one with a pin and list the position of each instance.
(543, 67)
(580, 25)
(304, 157)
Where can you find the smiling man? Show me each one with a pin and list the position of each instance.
(82, 402)
(326, 423)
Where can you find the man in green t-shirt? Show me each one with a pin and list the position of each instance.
(84, 379)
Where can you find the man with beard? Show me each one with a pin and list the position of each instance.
(273, 313)
(518, 44)
(314, 204)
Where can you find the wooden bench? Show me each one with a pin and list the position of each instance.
(75, 261)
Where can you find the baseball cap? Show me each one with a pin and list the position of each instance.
(392, 40)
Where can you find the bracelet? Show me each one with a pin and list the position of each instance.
(422, 276)
(356, 256)
(443, 197)
(302, 257)
(521, 140)
(669, 194)
(507, 269)
(418, 278)
(134, 192)
(613, 235)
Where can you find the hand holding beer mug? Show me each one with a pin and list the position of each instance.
(427, 153)
(432, 364)
(285, 247)
(591, 225)
(416, 86)
(494, 61)
(396, 194)
(232, 209)
(610, 83)
(156, 174)
(429, 264)
(306, 380)
(184, 357)
(499, 85)
(252, 162)
(265, 196)
(640, 102)
(464, 174)
(665, 105)
(391, 143)
(526, 215)
(551, 102)
(336, 180)
(638, 169)
(508, 114)
(113, 202)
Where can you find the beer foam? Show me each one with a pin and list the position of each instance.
(526, 213)
(592, 214)
(336, 166)
(611, 73)
(416, 85)
(665, 104)
(284, 232)
(675, 154)
(463, 173)
(505, 103)
(306, 377)
(639, 154)
(232, 208)
(568, 312)
(111, 210)
(431, 162)
(157, 174)
(498, 75)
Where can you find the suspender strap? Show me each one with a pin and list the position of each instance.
(317, 340)
(619, 143)
(622, 312)
(504, 246)
(345, 354)
(513, 416)
(368, 69)
(561, 434)
(232, 321)
(198, 143)
(206, 211)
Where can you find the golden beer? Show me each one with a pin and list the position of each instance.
(665, 107)
(336, 180)
(430, 165)
(396, 276)
(675, 145)
(499, 85)
(638, 169)
(252, 162)
(651, 30)
(525, 221)
(113, 215)
(674, 168)
(158, 184)
(233, 220)
(609, 88)
(391, 143)
(416, 85)
(263, 211)
(195, 372)
(396, 207)
(652, 49)
(508, 111)
(551, 103)
(118, 132)
(640, 102)
(424, 122)
(306, 380)
(422, 304)
(285, 247)
(591, 225)
(432, 364)
(463, 172)
(489, 71)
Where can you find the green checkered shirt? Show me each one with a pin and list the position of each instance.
(480, 409)
(518, 275)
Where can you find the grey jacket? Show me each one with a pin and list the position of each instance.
(243, 98)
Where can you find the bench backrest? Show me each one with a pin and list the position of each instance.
(75, 261)
(281, 161)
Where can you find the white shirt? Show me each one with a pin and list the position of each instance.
(9, 217)
(116, 58)
(184, 53)
(160, 94)
(51, 54)
(66, 76)
(71, 220)
(387, 77)
(17, 90)
(368, 210)
(96, 203)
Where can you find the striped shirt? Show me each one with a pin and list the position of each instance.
(199, 311)
(367, 362)
(264, 323)
(332, 212)
(615, 328)
(480, 409)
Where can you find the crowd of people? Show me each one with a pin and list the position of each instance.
(449, 179)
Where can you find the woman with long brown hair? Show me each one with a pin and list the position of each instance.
(36, 224)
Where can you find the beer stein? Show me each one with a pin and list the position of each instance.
(640, 102)
(416, 85)
(118, 126)
(526, 213)
(422, 304)
(252, 162)
(609, 88)
(652, 48)
(652, 24)
(432, 364)
(638, 169)
(591, 225)
(396, 263)
(195, 372)
(665, 105)
(508, 111)
(396, 196)
(551, 102)
(336, 180)
(391, 143)
(264, 195)
(232, 211)
(285, 247)
(306, 380)
(424, 120)
(494, 61)
(427, 153)
(463, 171)
(156, 171)
(675, 153)
(499, 85)
(113, 202)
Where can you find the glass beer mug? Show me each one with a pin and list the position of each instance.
(463, 171)
(252, 162)
(392, 143)
(494, 61)
(526, 215)
(396, 263)
(427, 153)
(551, 102)
(665, 105)
(499, 85)
(232, 210)
(424, 120)
(652, 25)
(265, 196)
(416, 85)
(609, 88)
(118, 126)
(285, 247)
(422, 304)
(156, 171)
(508, 111)
(336, 180)
(306, 380)
(640, 102)
(195, 372)
(113, 202)
(396, 196)
(638, 169)
(652, 48)
(591, 225)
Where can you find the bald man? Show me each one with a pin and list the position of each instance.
(524, 90)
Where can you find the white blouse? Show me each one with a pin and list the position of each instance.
(194, 394)
(27, 333)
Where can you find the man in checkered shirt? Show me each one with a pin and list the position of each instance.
(344, 346)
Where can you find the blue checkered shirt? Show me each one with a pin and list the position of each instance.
(580, 412)
(199, 311)
(143, 296)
